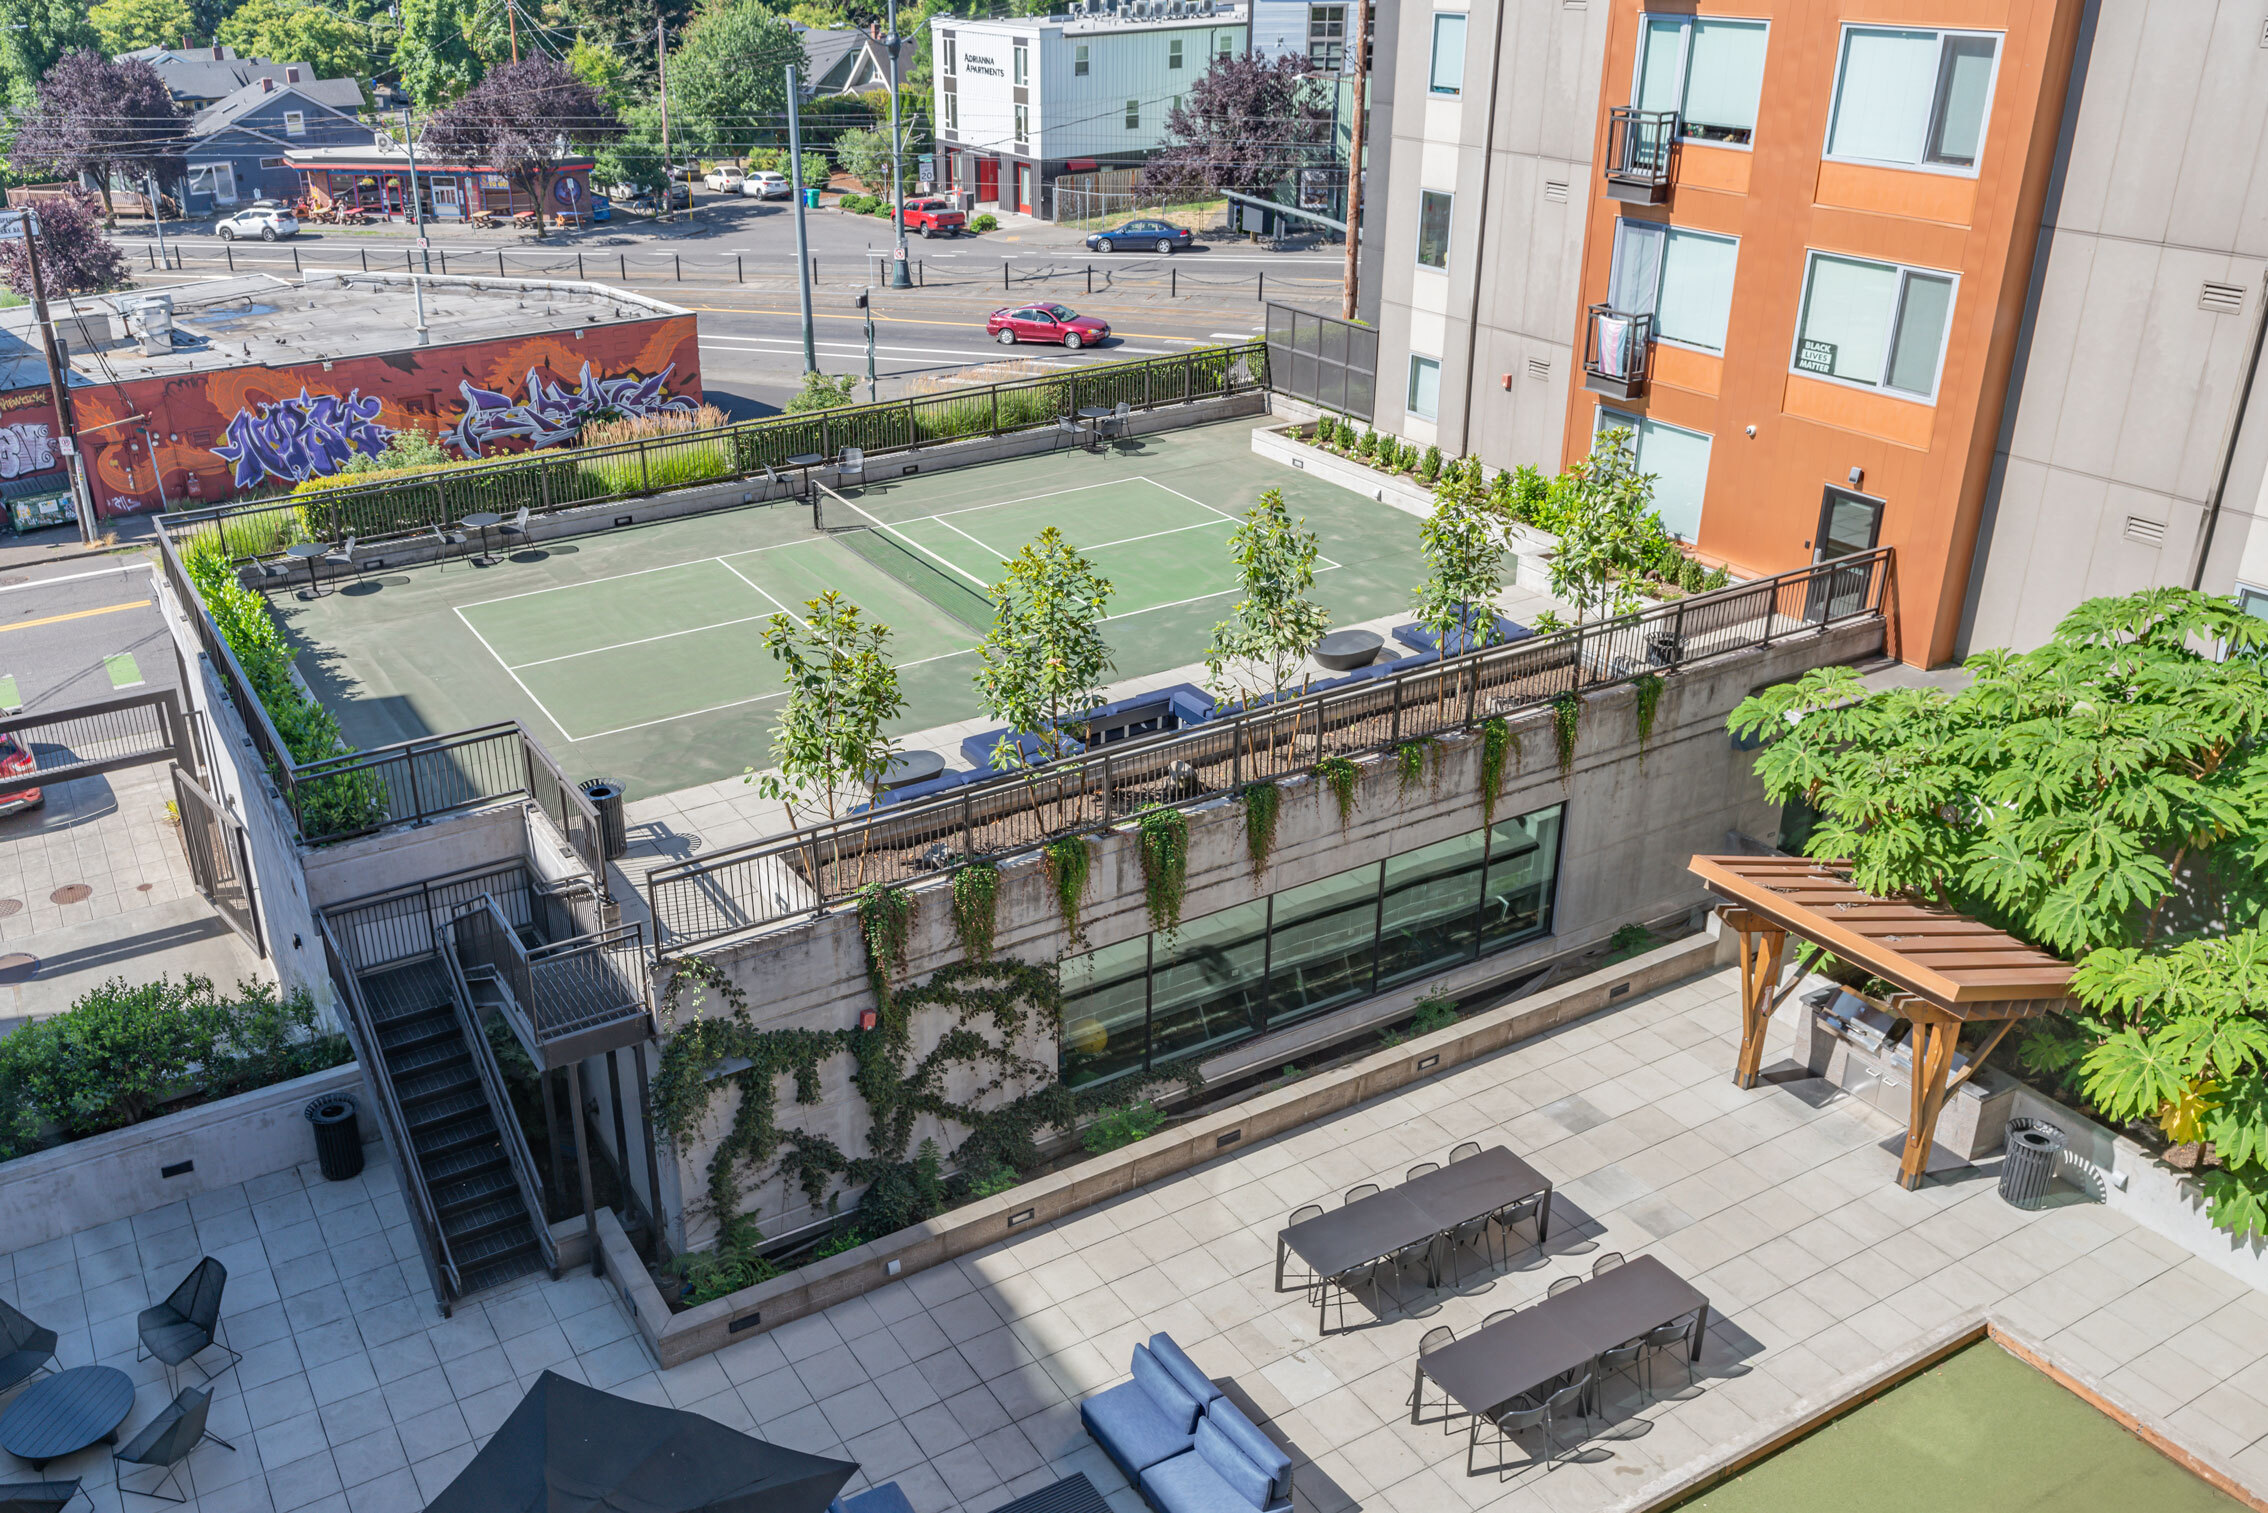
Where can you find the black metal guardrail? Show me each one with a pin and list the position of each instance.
(803, 873)
(103, 737)
(562, 993)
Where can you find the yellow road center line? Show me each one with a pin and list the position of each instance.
(77, 614)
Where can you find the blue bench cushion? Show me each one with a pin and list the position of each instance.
(1159, 1379)
(1192, 1484)
(1248, 1437)
(1176, 1360)
(1132, 1429)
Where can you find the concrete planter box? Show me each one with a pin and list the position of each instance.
(53, 1193)
(675, 1339)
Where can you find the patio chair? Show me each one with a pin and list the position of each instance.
(1465, 1152)
(342, 559)
(1518, 1417)
(272, 570)
(1562, 1285)
(852, 466)
(1368, 1275)
(1530, 1208)
(515, 528)
(185, 1325)
(25, 1348)
(1120, 417)
(1411, 1257)
(167, 1440)
(1498, 1317)
(1301, 1215)
(1360, 1190)
(1666, 1339)
(1622, 1360)
(1606, 1263)
(1466, 1236)
(772, 480)
(1067, 429)
(1435, 1338)
(443, 539)
(41, 1496)
(1420, 1170)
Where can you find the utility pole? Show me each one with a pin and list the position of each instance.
(1361, 40)
(59, 392)
(669, 181)
(512, 15)
(149, 186)
(802, 237)
(898, 278)
(417, 223)
(866, 305)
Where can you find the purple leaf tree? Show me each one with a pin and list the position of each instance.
(521, 120)
(90, 115)
(74, 256)
(1247, 125)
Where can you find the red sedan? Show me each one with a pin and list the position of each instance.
(1057, 324)
(16, 761)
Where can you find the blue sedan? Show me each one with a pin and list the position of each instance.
(1141, 236)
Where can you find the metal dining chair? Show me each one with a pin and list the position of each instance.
(1562, 1285)
(1606, 1263)
(1519, 1418)
(1368, 1274)
(516, 528)
(443, 540)
(1301, 1215)
(1465, 1152)
(1529, 1208)
(1471, 1234)
(1067, 429)
(1498, 1317)
(1434, 1339)
(1666, 1339)
(342, 559)
(1421, 1169)
(1360, 1190)
(188, 1322)
(1410, 1257)
(42, 1496)
(1622, 1360)
(168, 1439)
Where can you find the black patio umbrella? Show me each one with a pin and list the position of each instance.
(569, 1448)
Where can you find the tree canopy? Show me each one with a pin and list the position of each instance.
(1043, 662)
(1247, 124)
(288, 30)
(1261, 647)
(74, 256)
(727, 86)
(126, 25)
(91, 115)
(521, 120)
(434, 57)
(35, 35)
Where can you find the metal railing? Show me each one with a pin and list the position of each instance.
(501, 1107)
(556, 994)
(102, 737)
(1618, 351)
(747, 887)
(432, 1242)
(544, 482)
(1639, 147)
(402, 925)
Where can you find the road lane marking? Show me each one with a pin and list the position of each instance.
(77, 614)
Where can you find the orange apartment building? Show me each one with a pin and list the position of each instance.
(1822, 260)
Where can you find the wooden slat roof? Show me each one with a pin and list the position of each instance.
(1947, 959)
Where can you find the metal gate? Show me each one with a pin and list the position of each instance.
(220, 857)
(1325, 361)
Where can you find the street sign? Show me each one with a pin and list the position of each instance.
(423, 243)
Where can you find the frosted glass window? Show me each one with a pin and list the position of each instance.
(1724, 75)
(1875, 324)
(1911, 97)
(1448, 75)
(1425, 387)
(1696, 299)
(1678, 459)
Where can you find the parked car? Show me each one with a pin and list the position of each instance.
(1048, 323)
(767, 184)
(602, 208)
(724, 180)
(267, 222)
(935, 218)
(683, 172)
(1136, 236)
(17, 761)
(680, 197)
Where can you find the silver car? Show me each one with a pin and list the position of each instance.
(767, 184)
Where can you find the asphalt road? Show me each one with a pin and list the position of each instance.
(81, 632)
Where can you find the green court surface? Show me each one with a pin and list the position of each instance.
(1979, 1431)
(637, 653)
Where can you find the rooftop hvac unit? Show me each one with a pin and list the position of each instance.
(152, 318)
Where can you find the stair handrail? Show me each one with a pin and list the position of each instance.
(508, 1130)
(619, 948)
(433, 1242)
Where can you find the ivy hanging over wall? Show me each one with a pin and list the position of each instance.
(1410, 759)
(885, 922)
(1498, 741)
(1649, 691)
(1263, 802)
(1068, 862)
(1162, 837)
(976, 908)
(1343, 777)
(1566, 717)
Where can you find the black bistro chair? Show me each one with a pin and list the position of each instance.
(1465, 1152)
(515, 530)
(1435, 1338)
(41, 1496)
(342, 560)
(25, 1348)
(187, 1323)
(167, 1440)
(446, 540)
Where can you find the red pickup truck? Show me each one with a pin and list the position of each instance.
(934, 218)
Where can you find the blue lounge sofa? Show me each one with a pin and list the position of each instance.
(1421, 637)
(1182, 1442)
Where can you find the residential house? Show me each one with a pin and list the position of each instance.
(847, 61)
(236, 145)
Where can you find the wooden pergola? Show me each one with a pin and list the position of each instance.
(1950, 971)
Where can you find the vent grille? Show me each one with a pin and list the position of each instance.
(2147, 532)
(2221, 299)
(1539, 368)
(1556, 190)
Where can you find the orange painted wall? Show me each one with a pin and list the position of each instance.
(1928, 463)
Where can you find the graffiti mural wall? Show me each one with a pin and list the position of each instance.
(214, 434)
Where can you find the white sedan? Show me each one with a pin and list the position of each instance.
(267, 222)
(724, 180)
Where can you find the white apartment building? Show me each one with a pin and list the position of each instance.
(1022, 99)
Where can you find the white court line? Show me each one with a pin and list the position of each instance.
(1202, 525)
(736, 703)
(641, 641)
(767, 593)
(991, 551)
(1192, 599)
(639, 572)
(515, 677)
(1201, 504)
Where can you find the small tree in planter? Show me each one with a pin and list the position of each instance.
(1464, 549)
(1044, 660)
(842, 689)
(1602, 509)
(1259, 648)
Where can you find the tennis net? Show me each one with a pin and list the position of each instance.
(927, 574)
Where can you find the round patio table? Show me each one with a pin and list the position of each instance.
(1094, 416)
(66, 1412)
(1345, 650)
(910, 767)
(307, 552)
(805, 461)
(484, 521)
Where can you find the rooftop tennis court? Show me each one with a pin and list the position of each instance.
(637, 654)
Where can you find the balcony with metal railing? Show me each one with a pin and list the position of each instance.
(565, 1000)
(1618, 351)
(1640, 144)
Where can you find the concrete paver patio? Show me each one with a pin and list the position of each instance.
(961, 1383)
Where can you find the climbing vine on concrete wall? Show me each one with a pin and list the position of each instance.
(1163, 837)
(1566, 717)
(1341, 774)
(885, 922)
(1262, 804)
(976, 908)
(1410, 759)
(1648, 689)
(1498, 741)
(1067, 862)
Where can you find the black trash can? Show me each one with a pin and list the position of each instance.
(2029, 1163)
(338, 1136)
(1663, 648)
(606, 797)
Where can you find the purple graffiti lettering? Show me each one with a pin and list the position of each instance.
(312, 436)
(552, 413)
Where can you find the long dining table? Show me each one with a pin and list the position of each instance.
(1421, 1209)
(1491, 1366)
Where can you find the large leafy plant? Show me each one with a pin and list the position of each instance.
(1263, 645)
